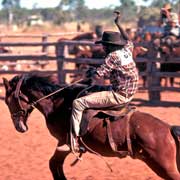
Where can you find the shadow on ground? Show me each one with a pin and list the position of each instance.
(141, 102)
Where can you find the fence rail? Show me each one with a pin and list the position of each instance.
(152, 73)
(39, 35)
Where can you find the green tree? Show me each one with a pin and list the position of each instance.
(159, 3)
(128, 8)
(9, 4)
(67, 3)
(80, 10)
(77, 8)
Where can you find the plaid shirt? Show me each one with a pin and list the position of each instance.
(120, 67)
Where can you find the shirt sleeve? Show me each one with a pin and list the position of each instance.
(108, 65)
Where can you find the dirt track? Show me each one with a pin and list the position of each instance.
(25, 156)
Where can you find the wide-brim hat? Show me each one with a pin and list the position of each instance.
(111, 37)
(167, 6)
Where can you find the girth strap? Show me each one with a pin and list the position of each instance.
(111, 140)
(109, 133)
(128, 139)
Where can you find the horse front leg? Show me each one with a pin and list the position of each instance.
(56, 165)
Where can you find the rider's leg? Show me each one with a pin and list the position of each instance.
(94, 100)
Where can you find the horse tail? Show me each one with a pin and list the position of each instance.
(175, 131)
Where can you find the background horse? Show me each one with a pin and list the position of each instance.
(152, 140)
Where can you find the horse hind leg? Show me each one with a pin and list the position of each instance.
(163, 158)
(159, 170)
(175, 130)
(167, 159)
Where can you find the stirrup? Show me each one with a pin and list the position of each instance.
(82, 149)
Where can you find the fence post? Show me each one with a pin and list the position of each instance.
(152, 79)
(44, 40)
(60, 47)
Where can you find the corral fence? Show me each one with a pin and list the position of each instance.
(44, 37)
(152, 72)
(43, 56)
(60, 56)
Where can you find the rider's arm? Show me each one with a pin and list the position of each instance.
(121, 30)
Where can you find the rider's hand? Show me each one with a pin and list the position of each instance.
(118, 17)
(91, 72)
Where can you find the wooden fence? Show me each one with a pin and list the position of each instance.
(12, 58)
(152, 72)
(44, 37)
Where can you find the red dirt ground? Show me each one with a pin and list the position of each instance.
(25, 156)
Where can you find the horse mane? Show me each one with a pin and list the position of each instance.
(39, 82)
(46, 84)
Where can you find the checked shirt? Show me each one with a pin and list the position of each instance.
(120, 67)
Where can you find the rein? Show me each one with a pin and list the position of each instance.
(33, 104)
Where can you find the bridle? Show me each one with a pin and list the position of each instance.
(18, 95)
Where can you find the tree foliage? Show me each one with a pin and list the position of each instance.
(10, 4)
(128, 9)
(76, 10)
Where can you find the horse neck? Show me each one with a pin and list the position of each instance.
(45, 106)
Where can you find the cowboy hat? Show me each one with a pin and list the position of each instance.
(167, 6)
(111, 37)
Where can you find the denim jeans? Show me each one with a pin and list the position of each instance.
(94, 100)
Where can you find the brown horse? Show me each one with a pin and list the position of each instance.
(153, 141)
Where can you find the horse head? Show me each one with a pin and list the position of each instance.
(26, 92)
(18, 103)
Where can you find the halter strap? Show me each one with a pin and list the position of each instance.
(17, 91)
(18, 87)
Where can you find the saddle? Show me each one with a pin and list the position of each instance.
(107, 115)
(112, 113)
(115, 112)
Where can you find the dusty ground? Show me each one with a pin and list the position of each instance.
(25, 156)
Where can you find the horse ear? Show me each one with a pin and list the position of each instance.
(6, 84)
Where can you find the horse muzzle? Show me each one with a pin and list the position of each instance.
(20, 124)
(21, 127)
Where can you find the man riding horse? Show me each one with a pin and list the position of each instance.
(170, 23)
(120, 67)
